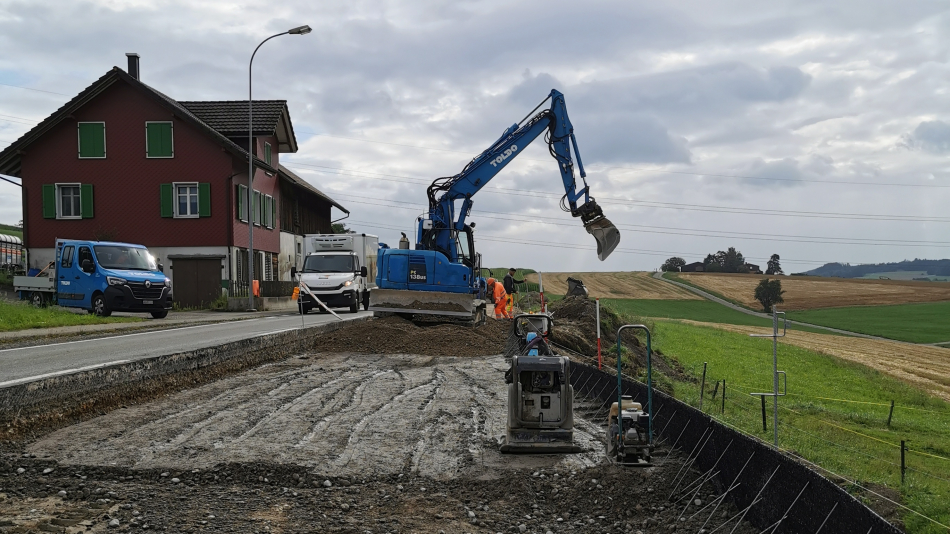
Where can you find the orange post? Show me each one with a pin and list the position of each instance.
(256, 288)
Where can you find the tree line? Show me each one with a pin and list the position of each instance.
(724, 261)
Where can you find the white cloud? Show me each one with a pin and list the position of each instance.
(673, 105)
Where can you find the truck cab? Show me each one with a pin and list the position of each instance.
(339, 269)
(102, 277)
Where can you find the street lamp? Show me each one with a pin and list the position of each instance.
(300, 30)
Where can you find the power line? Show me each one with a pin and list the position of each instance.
(608, 200)
(663, 230)
(549, 244)
(33, 89)
(642, 169)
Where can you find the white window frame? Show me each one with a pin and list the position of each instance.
(105, 149)
(59, 201)
(175, 186)
(146, 139)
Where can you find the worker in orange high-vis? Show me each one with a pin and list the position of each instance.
(498, 295)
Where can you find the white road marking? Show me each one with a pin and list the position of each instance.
(110, 337)
(58, 373)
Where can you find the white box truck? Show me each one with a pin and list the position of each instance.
(340, 269)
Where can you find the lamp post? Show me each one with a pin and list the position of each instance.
(300, 30)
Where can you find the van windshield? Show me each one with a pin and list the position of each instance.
(335, 263)
(127, 258)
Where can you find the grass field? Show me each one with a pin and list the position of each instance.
(903, 275)
(809, 293)
(7, 229)
(835, 413)
(629, 285)
(918, 323)
(22, 316)
(693, 310)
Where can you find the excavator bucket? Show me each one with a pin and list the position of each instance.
(606, 235)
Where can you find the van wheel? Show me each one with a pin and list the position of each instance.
(355, 305)
(159, 314)
(38, 299)
(365, 300)
(99, 306)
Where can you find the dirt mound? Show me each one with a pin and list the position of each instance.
(395, 335)
(575, 328)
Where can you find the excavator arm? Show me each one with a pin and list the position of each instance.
(440, 231)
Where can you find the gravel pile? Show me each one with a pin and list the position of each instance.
(395, 335)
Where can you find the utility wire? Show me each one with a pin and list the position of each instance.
(32, 89)
(362, 199)
(610, 200)
(642, 169)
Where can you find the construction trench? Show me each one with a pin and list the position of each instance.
(376, 426)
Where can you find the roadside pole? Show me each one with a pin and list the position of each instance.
(600, 360)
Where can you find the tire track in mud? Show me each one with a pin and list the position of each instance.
(336, 415)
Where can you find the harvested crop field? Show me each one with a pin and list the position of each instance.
(808, 293)
(626, 285)
(925, 367)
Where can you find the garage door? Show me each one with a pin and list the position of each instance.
(197, 282)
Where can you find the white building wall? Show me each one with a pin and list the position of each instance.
(290, 244)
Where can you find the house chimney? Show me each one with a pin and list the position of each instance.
(133, 64)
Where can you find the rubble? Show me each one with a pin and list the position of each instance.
(395, 335)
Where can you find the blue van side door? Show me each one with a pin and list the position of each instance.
(83, 283)
(68, 289)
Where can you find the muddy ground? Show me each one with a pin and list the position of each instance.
(335, 442)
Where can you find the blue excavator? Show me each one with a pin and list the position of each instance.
(441, 276)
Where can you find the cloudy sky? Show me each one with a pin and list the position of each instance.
(816, 130)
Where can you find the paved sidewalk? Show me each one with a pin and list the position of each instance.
(708, 296)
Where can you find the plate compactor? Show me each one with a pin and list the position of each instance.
(633, 449)
(540, 395)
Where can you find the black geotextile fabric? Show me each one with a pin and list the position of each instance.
(794, 490)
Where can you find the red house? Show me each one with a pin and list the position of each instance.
(123, 162)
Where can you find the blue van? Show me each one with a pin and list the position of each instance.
(101, 277)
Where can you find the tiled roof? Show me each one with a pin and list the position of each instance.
(10, 157)
(230, 116)
(288, 175)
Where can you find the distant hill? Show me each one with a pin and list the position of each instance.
(844, 270)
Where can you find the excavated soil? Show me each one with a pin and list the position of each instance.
(575, 329)
(395, 335)
(339, 442)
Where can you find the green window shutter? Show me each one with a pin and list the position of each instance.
(49, 201)
(85, 199)
(268, 212)
(168, 202)
(92, 140)
(257, 208)
(204, 200)
(158, 138)
(267, 153)
(273, 212)
(241, 202)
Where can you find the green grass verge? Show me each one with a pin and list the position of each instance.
(693, 310)
(22, 316)
(822, 430)
(918, 323)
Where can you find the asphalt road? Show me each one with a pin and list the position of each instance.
(25, 364)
